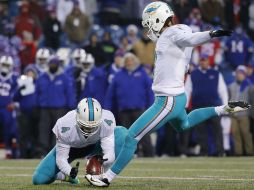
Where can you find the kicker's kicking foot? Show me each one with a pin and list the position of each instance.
(237, 106)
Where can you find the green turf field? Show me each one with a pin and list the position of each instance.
(144, 174)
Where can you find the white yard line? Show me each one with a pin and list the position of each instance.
(181, 162)
(16, 168)
(188, 170)
(211, 178)
(147, 170)
(206, 178)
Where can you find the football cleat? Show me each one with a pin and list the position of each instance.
(237, 106)
(97, 180)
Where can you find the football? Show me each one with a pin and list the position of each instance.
(94, 166)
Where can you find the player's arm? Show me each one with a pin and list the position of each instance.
(184, 37)
(108, 150)
(62, 155)
(108, 140)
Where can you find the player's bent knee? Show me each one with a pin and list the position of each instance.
(130, 141)
(39, 179)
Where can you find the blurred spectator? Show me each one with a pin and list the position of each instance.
(130, 13)
(244, 14)
(108, 47)
(212, 11)
(194, 20)
(77, 55)
(12, 45)
(124, 44)
(250, 72)
(130, 92)
(52, 29)
(94, 80)
(167, 143)
(28, 29)
(41, 61)
(95, 48)
(116, 66)
(251, 20)
(132, 34)
(28, 116)
(74, 70)
(212, 49)
(238, 49)
(206, 87)
(110, 11)
(232, 9)
(76, 25)
(3, 16)
(55, 97)
(64, 8)
(27, 26)
(239, 90)
(251, 102)
(37, 9)
(182, 9)
(63, 54)
(8, 84)
(144, 49)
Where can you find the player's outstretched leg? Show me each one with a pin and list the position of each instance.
(183, 121)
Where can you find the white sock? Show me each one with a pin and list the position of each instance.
(220, 110)
(110, 175)
(60, 176)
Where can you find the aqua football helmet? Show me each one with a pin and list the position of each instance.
(89, 113)
(154, 17)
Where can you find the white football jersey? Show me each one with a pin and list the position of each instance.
(69, 136)
(173, 53)
(67, 133)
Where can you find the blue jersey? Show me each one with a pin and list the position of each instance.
(238, 50)
(8, 87)
(95, 85)
(130, 90)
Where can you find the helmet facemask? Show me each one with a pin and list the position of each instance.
(42, 62)
(6, 65)
(150, 33)
(89, 128)
(5, 68)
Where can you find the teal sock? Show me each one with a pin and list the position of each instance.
(197, 116)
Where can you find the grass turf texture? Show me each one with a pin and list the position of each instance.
(144, 174)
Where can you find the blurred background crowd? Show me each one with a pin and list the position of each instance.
(55, 52)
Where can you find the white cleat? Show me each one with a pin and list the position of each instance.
(97, 180)
(237, 106)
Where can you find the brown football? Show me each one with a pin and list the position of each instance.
(94, 166)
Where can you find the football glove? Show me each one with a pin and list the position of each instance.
(220, 33)
(74, 171)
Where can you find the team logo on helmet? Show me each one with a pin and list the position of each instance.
(151, 10)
